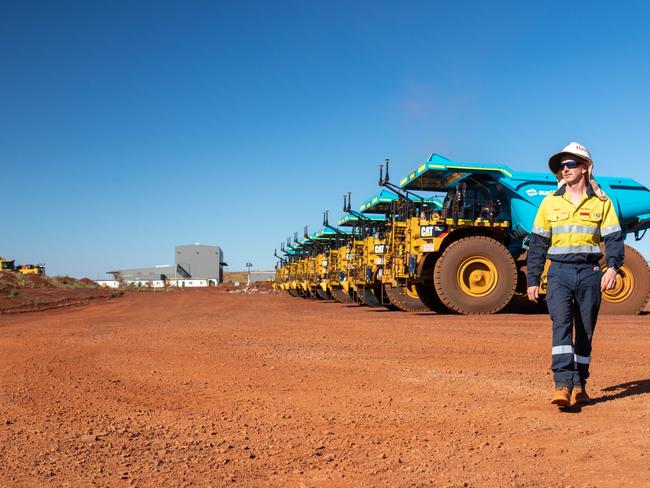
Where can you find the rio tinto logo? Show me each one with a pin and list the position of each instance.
(532, 192)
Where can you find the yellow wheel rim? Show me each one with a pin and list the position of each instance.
(623, 287)
(410, 291)
(477, 276)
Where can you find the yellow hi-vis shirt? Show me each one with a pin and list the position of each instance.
(571, 233)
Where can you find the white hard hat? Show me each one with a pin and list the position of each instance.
(572, 149)
(575, 149)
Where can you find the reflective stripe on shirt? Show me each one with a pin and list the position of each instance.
(582, 229)
(573, 249)
(542, 232)
(605, 231)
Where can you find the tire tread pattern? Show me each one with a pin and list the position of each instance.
(441, 278)
(403, 302)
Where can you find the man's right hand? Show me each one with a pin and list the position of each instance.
(533, 293)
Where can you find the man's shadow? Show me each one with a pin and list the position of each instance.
(631, 388)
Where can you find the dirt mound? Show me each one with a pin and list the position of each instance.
(64, 281)
(70, 282)
(229, 286)
(256, 287)
(36, 281)
(36, 299)
(262, 285)
(26, 293)
(8, 281)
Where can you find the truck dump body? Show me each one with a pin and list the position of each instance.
(382, 202)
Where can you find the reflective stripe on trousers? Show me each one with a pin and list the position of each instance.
(573, 300)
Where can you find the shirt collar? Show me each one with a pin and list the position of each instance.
(562, 190)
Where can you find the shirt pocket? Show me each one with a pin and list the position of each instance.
(593, 216)
(592, 213)
(556, 216)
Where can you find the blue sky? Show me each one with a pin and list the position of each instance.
(127, 128)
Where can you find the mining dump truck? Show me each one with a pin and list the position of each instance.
(469, 256)
(289, 269)
(366, 258)
(378, 247)
(323, 243)
(340, 258)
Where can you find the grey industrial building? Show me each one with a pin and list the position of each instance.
(195, 264)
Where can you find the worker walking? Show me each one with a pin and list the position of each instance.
(569, 227)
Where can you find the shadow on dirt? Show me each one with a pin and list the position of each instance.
(631, 388)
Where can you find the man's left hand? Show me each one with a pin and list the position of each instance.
(608, 281)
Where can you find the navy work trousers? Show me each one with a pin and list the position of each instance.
(573, 300)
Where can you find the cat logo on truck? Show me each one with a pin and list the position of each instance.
(431, 230)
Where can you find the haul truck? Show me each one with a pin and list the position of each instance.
(399, 207)
(379, 246)
(367, 254)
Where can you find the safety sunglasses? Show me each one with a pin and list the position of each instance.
(569, 164)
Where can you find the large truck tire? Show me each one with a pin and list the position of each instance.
(333, 292)
(341, 296)
(428, 296)
(475, 275)
(323, 295)
(405, 298)
(380, 293)
(367, 297)
(379, 289)
(632, 290)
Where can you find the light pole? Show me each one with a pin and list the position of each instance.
(249, 265)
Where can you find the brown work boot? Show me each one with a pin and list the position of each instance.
(560, 397)
(579, 396)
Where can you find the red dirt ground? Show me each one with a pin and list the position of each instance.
(202, 388)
